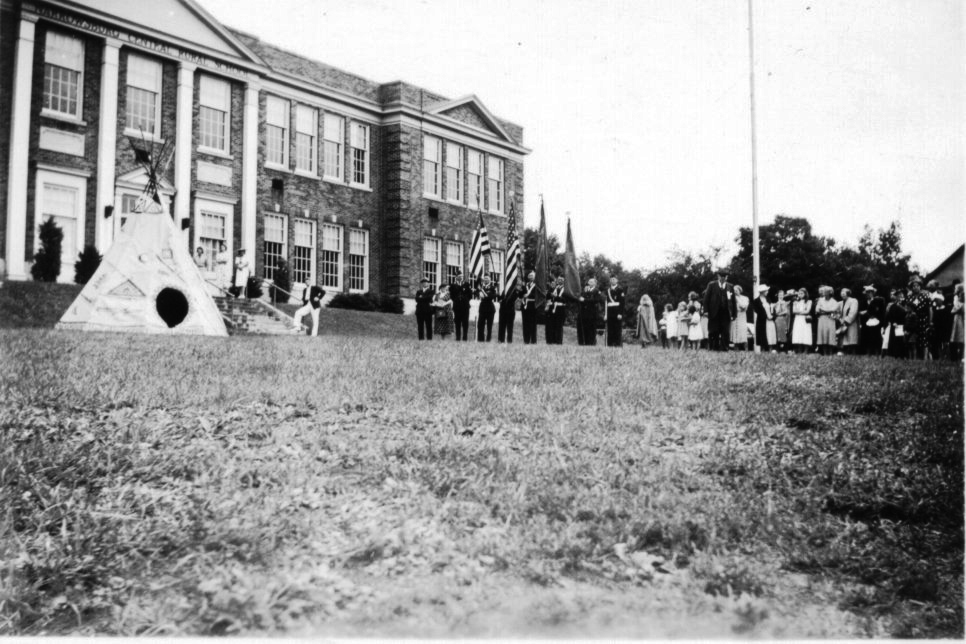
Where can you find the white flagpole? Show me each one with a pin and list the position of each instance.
(756, 259)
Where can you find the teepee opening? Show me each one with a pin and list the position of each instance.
(172, 306)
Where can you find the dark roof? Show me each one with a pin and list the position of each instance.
(956, 254)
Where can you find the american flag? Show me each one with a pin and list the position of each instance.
(512, 272)
(480, 247)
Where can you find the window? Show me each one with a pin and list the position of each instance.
(303, 252)
(61, 198)
(495, 185)
(215, 101)
(359, 141)
(306, 127)
(454, 172)
(331, 256)
(276, 132)
(474, 176)
(332, 136)
(431, 260)
(63, 74)
(454, 260)
(432, 156)
(275, 236)
(213, 232)
(143, 95)
(359, 260)
(496, 268)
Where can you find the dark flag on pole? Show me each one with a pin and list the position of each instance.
(479, 249)
(512, 269)
(543, 263)
(571, 276)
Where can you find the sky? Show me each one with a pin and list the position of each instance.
(638, 112)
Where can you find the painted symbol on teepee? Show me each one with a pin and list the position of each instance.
(127, 289)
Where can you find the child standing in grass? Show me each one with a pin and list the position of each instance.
(669, 326)
(682, 325)
(695, 336)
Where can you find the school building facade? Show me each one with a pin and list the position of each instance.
(361, 186)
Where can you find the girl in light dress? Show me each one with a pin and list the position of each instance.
(828, 311)
(683, 318)
(669, 323)
(695, 300)
(694, 326)
(801, 322)
(739, 328)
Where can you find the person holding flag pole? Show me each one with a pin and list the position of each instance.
(511, 292)
(479, 253)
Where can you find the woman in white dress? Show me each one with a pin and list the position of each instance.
(221, 266)
(739, 328)
(242, 273)
(801, 321)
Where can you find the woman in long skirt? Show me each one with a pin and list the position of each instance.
(739, 328)
(801, 322)
(782, 311)
(443, 318)
(646, 321)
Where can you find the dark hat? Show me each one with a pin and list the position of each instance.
(723, 270)
(424, 281)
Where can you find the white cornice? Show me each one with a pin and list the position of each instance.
(454, 131)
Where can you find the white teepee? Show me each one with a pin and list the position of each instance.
(146, 283)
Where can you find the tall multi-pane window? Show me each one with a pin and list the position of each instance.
(275, 234)
(276, 131)
(333, 133)
(303, 251)
(495, 185)
(213, 232)
(358, 260)
(432, 158)
(454, 261)
(474, 179)
(431, 260)
(306, 127)
(143, 95)
(496, 268)
(214, 97)
(359, 143)
(63, 74)
(454, 172)
(331, 256)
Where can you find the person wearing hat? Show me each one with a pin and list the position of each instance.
(940, 321)
(918, 328)
(614, 297)
(484, 316)
(556, 312)
(528, 309)
(242, 273)
(508, 313)
(424, 309)
(765, 336)
(461, 293)
(828, 310)
(719, 304)
(872, 320)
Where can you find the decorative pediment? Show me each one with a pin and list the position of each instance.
(470, 111)
(137, 179)
(184, 21)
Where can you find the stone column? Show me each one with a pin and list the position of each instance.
(19, 152)
(250, 169)
(182, 143)
(107, 146)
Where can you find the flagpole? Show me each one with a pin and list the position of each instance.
(756, 259)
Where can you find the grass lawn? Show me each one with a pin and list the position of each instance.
(365, 484)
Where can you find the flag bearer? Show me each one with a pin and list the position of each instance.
(484, 319)
(556, 312)
(528, 308)
(614, 313)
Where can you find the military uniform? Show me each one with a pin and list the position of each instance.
(484, 319)
(587, 316)
(461, 293)
(508, 314)
(424, 312)
(556, 313)
(528, 311)
(614, 315)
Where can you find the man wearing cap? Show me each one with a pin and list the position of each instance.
(484, 317)
(614, 313)
(556, 313)
(764, 319)
(872, 317)
(528, 309)
(508, 314)
(424, 309)
(460, 292)
(720, 305)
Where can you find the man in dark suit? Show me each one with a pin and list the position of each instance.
(556, 313)
(484, 318)
(614, 313)
(508, 314)
(720, 305)
(528, 309)
(424, 309)
(460, 292)
(763, 314)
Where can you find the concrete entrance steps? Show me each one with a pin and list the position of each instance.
(253, 317)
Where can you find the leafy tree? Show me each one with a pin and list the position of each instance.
(791, 256)
(554, 254)
(46, 266)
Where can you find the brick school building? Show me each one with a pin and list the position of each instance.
(358, 185)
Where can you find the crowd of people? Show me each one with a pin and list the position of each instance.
(916, 322)
(218, 268)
